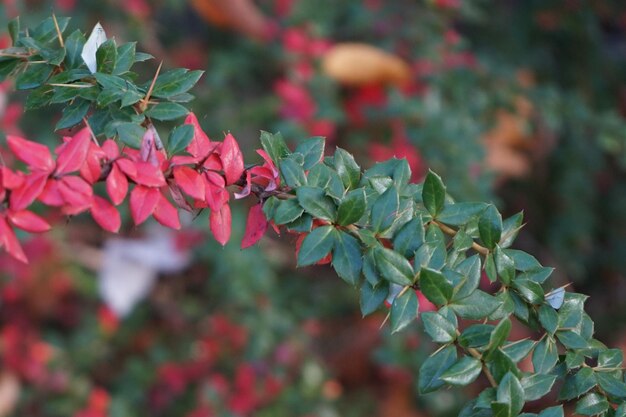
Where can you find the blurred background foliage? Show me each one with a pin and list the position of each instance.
(519, 102)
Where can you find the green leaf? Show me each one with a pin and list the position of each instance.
(523, 261)
(537, 385)
(292, 172)
(470, 269)
(578, 384)
(539, 275)
(369, 268)
(175, 82)
(316, 245)
(274, 145)
(73, 114)
(433, 193)
(510, 229)
(434, 366)
(432, 254)
(518, 350)
(611, 385)
(434, 286)
(316, 203)
(179, 138)
(574, 360)
(571, 340)
(620, 412)
(142, 56)
(347, 168)
(592, 404)
(490, 226)
(529, 290)
(130, 134)
(500, 364)
(46, 30)
(393, 266)
(476, 335)
(352, 207)
(304, 223)
(319, 176)
(571, 312)
(74, 45)
(458, 214)
(14, 29)
(385, 210)
(347, 258)
(511, 393)
(499, 335)
(34, 76)
(372, 297)
(610, 358)
(478, 305)
(552, 412)
(548, 318)
(125, 58)
(166, 111)
(439, 328)
(505, 266)
(409, 237)
(463, 372)
(286, 211)
(403, 310)
(106, 57)
(313, 150)
(545, 356)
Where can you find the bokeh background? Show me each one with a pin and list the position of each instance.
(519, 102)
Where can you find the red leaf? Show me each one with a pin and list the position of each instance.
(127, 167)
(143, 201)
(256, 226)
(28, 221)
(77, 194)
(220, 224)
(51, 195)
(91, 169)
(33, 154)
(105, 214)
(166, 214)
(178, 197)
(215, 193)
(190, 181)
(9, 241)
(245, 191)
(148, 175)
(33, 185)
(117, 185)
(232, 159)
(213, 162)
(10, 179)
(72, 154)
(200, 145)
(268, 161)
(111, 149)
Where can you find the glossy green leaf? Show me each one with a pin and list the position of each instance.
(312, 149)
(548, 318)
(499, 335)
(578, 384)
(316, 245)
(167, 111)
(106, 57)
(74, 45)
(592, 404)
(529, 290)
(433, 193)
(372, 297)
(403, 311)
(125, 58)
(179, 138)
(458, 214)
(393, 266)
(370, 271)
(523, 261)
(463, 372)
(347, 168)
(545, 356)
(571, 340)
(33, 76)
(130, 134)
(552, 412)
(434, 286)
(304, 223)
(611, 385)
(510, 229)
(319, 176)
(610, 358)
(292, 172)
(352, 207)
(274, 145)
(470, 269)
(385, 210)
(505, 266)
(73, 114)
(518, 350)
(316, 203)
(490, 226)
(430, 372)
(286, 211)
(511, 393)
(537, 385)
(476, 335)
(571, 312)
(476, 306)
(439, 328)
(175, 82)
(347, 258)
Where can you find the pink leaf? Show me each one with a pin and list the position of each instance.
(50, 195)
(221, 224)
(9, 241)
(178, 196)
(28, 221)
(77, 194)
(166, 214)
(190, 181)
(10, 179)
(143, 201)
(127, 167)
(245, 191)
(33, 154)
(111, 149)
(215, 193)
(117, 185)
(105, 214)
(232, 159)
(256, 226)
(148, 148)
(148, 175)
(72, 154)
(33, 185)
(200, 145)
